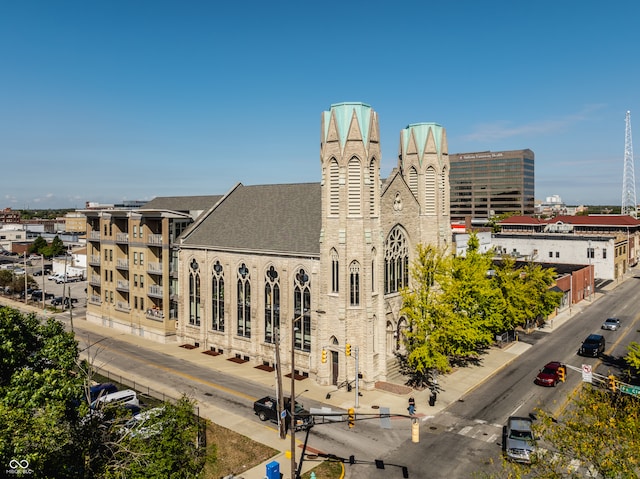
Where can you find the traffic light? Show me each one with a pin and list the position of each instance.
(324, 355)
(352, 417)
(562, 374)
(612, 383)
(347, 349)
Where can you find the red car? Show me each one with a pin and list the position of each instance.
(550, 374)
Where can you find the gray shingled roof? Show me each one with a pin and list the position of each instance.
(182, 203)
(269, 218)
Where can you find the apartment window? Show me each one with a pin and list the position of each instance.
(271, 305)
(135, 302)
(141, 259)
(142, 281)
(550, 254)
(590, 253)
(135, 231)
(217, 298)
(135, 280)
(604, 253)
(135, 258)
(142, 304)
(302, 311)
(244, 302)
(106, 254)
(557, 254)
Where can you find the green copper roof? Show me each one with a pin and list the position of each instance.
(343, 113)
(421, 132)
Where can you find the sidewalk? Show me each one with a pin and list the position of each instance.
(453, 386)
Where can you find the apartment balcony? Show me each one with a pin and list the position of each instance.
(94, 235)
(94, 260)
(122, 264)
(93, 299)
(95, 280)
(122, 237)
(154, 313)
(122, 306)
(154, 239)
(154, 268)
(155, 291)
(122, 285)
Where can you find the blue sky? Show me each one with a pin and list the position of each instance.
(128, 100)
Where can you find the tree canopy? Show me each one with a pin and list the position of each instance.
(457, 305)
(46, 420)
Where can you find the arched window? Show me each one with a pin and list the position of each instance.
(396, 261)
(194, 293)
(334, 188)
(217, 298)
(244, 302)
(271, 305)
(354, 187)
(335, 271)
(354, 283)
(302, 309)
(430, 190)
(413, 181)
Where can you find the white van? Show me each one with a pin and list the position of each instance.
(119, 398)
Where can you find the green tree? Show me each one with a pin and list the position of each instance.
(44, 419)
(39, 246)
(633, 355)
(56, 248)
(473, 298)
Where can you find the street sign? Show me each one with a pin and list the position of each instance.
(633, 390)
(283, 414)
(587, 373)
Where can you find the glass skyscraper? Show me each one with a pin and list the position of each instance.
(485, 184)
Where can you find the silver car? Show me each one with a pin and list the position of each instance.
(520, 442)
(612, 324)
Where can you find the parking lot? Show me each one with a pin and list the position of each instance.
(75, 289)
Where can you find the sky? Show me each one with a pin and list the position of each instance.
(112, 101)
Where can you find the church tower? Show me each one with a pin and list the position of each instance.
(350, 245)
(423, 160)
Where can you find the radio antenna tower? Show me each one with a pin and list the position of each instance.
(629, 205)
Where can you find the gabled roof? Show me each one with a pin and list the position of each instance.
(182, 203)
(263, 218)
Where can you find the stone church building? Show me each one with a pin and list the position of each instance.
(324, 261)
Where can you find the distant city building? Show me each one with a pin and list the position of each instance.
(487, 184)
(551, 206)
(7, 215)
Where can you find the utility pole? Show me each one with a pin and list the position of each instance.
(629, 205)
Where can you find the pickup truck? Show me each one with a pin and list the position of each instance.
(267, 408)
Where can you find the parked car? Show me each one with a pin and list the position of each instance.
(549, 375)
(54, 276)
(592, 346)
(267, 408)
(102, 389)
(37, 295)
(119, 398)
(612, 324)
(519, 441)
(60, 300)
(146, 423)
